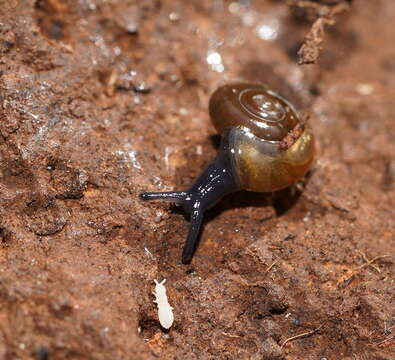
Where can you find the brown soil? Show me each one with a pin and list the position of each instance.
(101, 100)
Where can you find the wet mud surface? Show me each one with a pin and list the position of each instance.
(101, 100)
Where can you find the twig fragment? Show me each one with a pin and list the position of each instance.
(303, 335)
(271, 266)
(325, 15)
(254, 255)
(385, 340)
(368, 262)
(230, 335)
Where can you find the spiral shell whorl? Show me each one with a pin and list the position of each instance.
(266, 114)
(262, 106)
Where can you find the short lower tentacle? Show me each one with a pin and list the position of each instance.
(193, 235)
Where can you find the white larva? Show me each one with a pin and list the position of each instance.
(165, 311)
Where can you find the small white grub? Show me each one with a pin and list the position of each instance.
(365, 88)
(199, 150)
(165, 311)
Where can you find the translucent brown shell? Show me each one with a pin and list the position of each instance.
(256, 121)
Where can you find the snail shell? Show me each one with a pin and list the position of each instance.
(271, 147)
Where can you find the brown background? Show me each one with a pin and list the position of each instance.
(101, 100)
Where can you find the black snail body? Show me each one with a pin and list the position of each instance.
(265, 147)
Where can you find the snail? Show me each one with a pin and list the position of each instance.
(265, 147)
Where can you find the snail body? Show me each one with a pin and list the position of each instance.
(265, 147)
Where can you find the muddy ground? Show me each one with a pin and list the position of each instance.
(103, 99)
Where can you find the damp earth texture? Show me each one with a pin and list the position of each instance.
(101, 100)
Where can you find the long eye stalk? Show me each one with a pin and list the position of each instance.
(173, 196)
(215, 182)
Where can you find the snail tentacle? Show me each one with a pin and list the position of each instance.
(215, 182)
(193, 236)
(173, 196)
